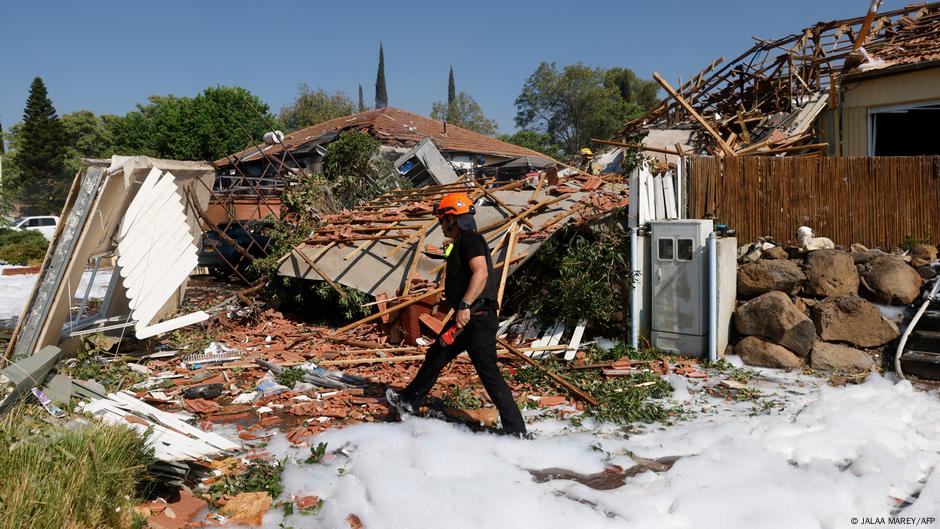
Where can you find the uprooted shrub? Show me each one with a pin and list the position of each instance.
(22, 247)
(579, 273)
(81, 476)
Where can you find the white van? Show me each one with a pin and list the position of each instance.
(44, 225)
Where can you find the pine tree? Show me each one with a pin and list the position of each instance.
(381, 94)
(451, 88)
(362, 104)
(40, 153)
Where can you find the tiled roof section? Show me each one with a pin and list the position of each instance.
(393, 126)
(913, 39)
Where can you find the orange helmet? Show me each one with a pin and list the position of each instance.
(454, 204)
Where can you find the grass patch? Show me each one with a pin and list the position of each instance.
(290, 377)
(53, 478)
(22, 247)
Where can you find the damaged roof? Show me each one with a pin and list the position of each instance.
(765, 101)
(394, 127)
(382, 246)
(912, 38)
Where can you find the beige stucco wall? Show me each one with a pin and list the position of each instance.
(898, 89)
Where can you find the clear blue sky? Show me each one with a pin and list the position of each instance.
(106, 56)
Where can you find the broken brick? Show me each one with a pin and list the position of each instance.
(549, 401)
(305, 502)
(200, 406)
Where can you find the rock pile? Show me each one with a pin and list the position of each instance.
(816, 309)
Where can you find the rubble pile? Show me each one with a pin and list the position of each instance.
(827, 309)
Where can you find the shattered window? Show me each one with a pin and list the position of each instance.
(684, 249)
(665, 250)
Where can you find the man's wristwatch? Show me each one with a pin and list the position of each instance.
(463, 305)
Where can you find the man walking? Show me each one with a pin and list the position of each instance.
(470, 288)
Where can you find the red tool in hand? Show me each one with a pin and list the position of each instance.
(450, 334)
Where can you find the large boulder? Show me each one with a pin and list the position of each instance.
(829, 273)
(765, 275)
(774, 317)
(757, 352)
(838, 357)
(925, 252)
(853, 320)
(867, 255)
(774, 252)
(891, 281)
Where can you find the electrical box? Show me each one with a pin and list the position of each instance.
(680, 289)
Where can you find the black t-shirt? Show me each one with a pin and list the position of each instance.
(467, 246)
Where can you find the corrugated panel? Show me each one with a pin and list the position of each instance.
(873, 201)
(156, 249)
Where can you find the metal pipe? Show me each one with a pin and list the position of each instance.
(711, 249)
(910, 328)
(635, 293)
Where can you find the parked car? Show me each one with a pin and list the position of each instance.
(45, 225)
(220, 257)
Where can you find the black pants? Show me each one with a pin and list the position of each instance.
(478, 338)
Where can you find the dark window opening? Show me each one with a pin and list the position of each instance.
(910, 132)
(684, 249)
(665, 250)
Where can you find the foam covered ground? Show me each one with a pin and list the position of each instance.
(15, 290)
(806, 455)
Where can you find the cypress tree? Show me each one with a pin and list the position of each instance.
(2, 150)
(40, 153)
(381, 94)
(362, 104)
(451, 89)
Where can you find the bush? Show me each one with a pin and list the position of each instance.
(53, 477)
(22, 247)
(577, 274)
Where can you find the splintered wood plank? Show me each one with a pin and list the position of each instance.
(510, 247)
(695, 115)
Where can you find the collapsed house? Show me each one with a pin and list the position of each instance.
(862, 86)
(398, 131)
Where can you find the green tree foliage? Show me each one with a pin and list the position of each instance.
(577, 274)
(535, 140)
(311, 107)
(464, 112)
(87, 136)
(451, 88)
(381, 92)
(579, 102)
(206, 127)
(2, 149)
(632, 89)
(362, 103)
(39, 175)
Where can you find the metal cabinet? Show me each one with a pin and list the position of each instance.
(680, 285)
